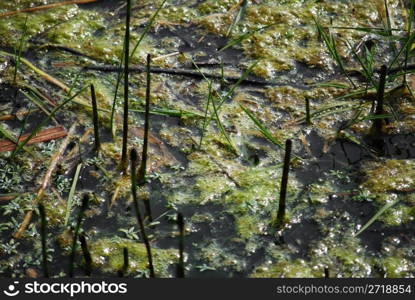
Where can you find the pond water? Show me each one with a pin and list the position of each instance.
(229, 85)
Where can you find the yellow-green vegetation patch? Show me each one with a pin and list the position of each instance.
(237, 166)
(283, 32)
(322, 104)
(341, 253)
(56, 210)
(258, 189)
(107, 255)
(247, 226)
(217, 257)
(12, 28)
(389, 175)
(397, 267)
(287, 98)
(212, 187)
(175, 14)
(298, 268)
(87, 32)
(83, 30)
(82, 26)
(398, 215)
(220, 6)
(254, 203)
(318, 192)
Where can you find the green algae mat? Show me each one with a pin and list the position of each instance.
(231, 82)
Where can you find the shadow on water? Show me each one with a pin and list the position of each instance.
(348, 157)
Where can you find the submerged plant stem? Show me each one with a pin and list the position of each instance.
(95, 119)
(143, 167)
(43, 226)
(180, 265)
(284, 183)
(133, 162)
(123, 165)
(84, 206)
(184, 72)
(45, 182)
(307, 112)
(379, 122)
(86, 254)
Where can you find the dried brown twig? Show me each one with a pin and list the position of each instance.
(45, 182)
(42, 136)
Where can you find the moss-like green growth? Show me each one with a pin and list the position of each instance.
(397, 267)
(55, 210)
(217, 257)
(318, 192)
(12, 27)
(386, 177)
(286, 269)
(258, 190)
(389, 175)
(213, 6)
(247, 226)
(340, 251)
(292, 36)
(398, 215)
(107, 255)
(212, 187)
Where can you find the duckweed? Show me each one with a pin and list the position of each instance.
(107, 255)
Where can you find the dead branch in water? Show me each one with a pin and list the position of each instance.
(45, 182)
(43, 136)
(181, 72)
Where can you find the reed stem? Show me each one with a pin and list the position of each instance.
(180, 265)
(84, 206)
(326, 273)
(87, 255)
(143, 166)
(126, 83)
(284, 182)
(126, 261)
(379, 122)
(43, 226)
(95, 119)
(307, 112)
(133, 162)
(124, 269)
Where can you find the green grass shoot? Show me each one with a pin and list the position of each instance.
(331, 47)
(261, 127)
(376, 216)
(238, 17)
(44, 122)
(124, 163)
(70, 203)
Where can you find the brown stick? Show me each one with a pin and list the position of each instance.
(181, 72)
(22, 114)
(43, 7)
(79, 99)
(42, 136)
(46, 179)
(6, 198)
